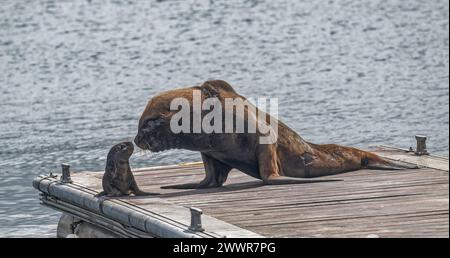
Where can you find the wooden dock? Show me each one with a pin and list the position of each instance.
(366, 203)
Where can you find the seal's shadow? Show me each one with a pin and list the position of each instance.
(225, 188)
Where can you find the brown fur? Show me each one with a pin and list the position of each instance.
(284, 162)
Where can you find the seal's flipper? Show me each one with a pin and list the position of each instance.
(182, 186)
(373, 161)
(102, 193)
(391, 165)
(200, 185)
(216, 174)
(142, 193)
(283, 180)
(115, 193)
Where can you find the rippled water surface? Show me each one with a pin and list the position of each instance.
(75, 75)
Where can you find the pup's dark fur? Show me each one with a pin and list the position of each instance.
(118, 179)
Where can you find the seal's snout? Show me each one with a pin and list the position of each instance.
(125, 147)
(138, 141)
(129, 147)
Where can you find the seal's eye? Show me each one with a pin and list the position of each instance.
(123, 147)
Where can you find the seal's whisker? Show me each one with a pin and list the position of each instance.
(140, 153)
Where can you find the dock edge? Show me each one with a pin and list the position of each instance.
(119, 217)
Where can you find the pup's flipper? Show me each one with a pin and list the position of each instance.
(102, 193)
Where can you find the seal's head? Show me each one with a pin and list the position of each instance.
(154, 131)
(121, 151)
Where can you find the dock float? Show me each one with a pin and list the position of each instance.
(366, 203)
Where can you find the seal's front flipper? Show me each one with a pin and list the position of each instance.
(182, 186)
(200, 185)
(142, 193)
(283, 180)
(216, 174)
(205, 183)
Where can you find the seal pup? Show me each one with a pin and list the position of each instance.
(118, 180)
(289, 160)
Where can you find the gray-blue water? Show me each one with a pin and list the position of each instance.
(75, 75)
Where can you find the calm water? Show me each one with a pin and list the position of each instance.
(75, 75)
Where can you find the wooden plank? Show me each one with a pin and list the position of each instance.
(406, 203)
(430, 161)
(159, 218)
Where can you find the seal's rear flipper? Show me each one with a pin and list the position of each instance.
(392, 166)
(377, 162)
(283, 180)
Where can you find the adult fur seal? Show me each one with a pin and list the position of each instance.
(118, 179)
(290, 160)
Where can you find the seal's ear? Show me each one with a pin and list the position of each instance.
(165, 114)
(209, 90)
(213, 88)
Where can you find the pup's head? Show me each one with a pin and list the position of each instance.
(121, 151)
